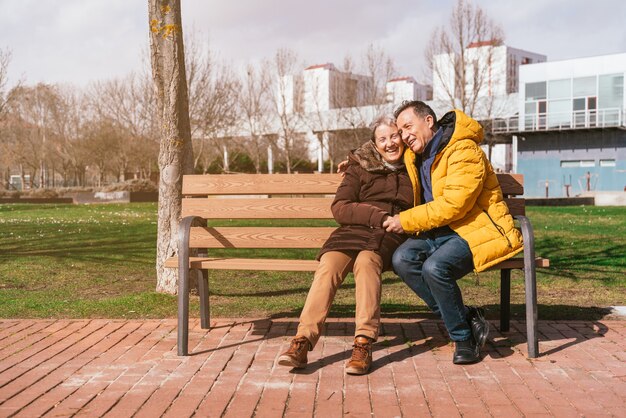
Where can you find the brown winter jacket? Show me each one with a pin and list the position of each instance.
(369, 192)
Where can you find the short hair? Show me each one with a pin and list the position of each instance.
(419, 108)
(386, 120)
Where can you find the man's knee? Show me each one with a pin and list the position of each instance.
(400, 260)
(435, 270)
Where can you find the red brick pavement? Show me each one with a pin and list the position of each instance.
(114, 368)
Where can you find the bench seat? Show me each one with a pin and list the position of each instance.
(263, 264)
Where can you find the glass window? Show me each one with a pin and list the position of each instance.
(570, 164)
(588, 163)
(542, 106)
(610, 91)
(607, 163)
(559, 113)
(560, 89)
(579, 104)
(531, 108)
(535, 91)
(584, 86)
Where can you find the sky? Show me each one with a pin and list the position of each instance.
(79, 41)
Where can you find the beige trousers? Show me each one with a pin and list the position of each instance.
(333, 268)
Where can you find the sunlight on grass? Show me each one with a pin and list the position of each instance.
(71, 261)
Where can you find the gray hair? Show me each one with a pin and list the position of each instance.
(419, 108)
(386, 120)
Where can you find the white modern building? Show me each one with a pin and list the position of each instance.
(406, 88)
(570, 133)
(495, 67)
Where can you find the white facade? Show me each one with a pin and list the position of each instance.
(289, 93)
(581, 92)
(494, 68)
(325, 88)
(406, 88)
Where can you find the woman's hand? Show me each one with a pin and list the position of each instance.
(341, 167)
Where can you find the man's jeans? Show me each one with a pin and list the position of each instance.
(430, 265)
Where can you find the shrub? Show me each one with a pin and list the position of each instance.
(41, 193)
(135, 185)
(11, 194)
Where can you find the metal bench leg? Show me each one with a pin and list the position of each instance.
(530, 283)
(203, 290)
(183, 310)
(505, 299)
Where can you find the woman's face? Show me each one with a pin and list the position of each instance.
(388, 143)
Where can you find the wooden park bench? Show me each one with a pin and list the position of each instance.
(296, 196)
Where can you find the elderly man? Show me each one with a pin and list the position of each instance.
(460, 221)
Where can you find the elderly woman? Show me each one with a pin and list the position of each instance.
(376, 186)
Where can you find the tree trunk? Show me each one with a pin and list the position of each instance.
(175, 153)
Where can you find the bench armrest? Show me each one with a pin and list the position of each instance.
(184, 231)
(528, 235)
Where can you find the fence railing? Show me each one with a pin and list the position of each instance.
(557, 121)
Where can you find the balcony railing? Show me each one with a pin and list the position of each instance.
(558, 121)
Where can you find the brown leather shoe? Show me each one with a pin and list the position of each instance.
(296, 356)
(361, 356)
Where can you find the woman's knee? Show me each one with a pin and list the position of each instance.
(368, 263)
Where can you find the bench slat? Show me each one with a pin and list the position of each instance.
(301, 265)
(259, 208)
(517, 206)
(259, 237)
(511, 184)
(244, 184)
(247, 264)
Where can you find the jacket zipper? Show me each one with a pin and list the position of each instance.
(499, 229)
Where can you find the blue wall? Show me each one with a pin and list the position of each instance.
(540, 155)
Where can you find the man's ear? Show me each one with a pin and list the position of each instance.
(430, 121)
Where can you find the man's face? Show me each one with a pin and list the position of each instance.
(416, 131)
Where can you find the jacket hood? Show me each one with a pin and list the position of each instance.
(457, 125)
(368, 158)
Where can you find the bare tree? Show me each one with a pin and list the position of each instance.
(254, 104)
(213, 90)
(364, 100)
(463, 74)
(33, 113)
(5, 59)
(130, 103)
(102, 145)
(288, 100)
(175, 154)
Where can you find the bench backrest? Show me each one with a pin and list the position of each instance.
(277, 196)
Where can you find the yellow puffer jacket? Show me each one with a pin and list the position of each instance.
(466, 195)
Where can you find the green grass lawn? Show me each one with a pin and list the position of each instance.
(71, 261)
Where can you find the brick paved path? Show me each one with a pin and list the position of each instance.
(130, 368)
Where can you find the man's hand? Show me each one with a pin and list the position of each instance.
(392, 224)
(341, 167)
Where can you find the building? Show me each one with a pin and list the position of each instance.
(496, 66)
(570, 135)
(406, 88)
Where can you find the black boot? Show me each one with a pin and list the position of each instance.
(466, 352)
(478, 324)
